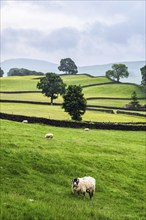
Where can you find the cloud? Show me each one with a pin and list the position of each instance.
(90, 32)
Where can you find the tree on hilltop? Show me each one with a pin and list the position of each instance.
(68, 66)
(118, 71)
(52, 85)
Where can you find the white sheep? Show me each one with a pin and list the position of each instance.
(25, 121)
(86, 129)
(83, 185)
(49, 135)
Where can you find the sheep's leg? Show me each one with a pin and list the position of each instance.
(91, 194)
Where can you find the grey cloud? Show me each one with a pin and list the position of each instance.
(61, 39)
(11, 39)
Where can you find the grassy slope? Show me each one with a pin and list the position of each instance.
(28, 83)
(39, 97)
(113, 91)
(17, 83)
(112, 103)
(33, 167)
(83, 79)
(56, 112)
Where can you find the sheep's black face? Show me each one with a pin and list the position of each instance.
(75, 182)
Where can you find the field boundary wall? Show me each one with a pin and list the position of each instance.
(74, 124)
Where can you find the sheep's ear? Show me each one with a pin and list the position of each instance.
(78, 180)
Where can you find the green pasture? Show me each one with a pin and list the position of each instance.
(28, 83)
(36, 173)
(113, 91)
(112, 102)
(38, 97)
(18, 83)
(56, 112)
(83, 79)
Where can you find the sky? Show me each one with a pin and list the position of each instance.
(89, 32)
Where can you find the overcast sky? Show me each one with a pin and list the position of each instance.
(89, 32)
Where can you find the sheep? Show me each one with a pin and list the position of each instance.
(49, 135)
(86, 129)
(83, 185)
(25, 121)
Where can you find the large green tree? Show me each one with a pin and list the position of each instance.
(118, 71)
(52, 85)
(1, 72)
(68, 66)
(143, 73)
(74, 102)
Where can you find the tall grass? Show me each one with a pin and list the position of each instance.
(36, 173)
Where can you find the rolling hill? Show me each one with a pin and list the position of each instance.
(95, 70)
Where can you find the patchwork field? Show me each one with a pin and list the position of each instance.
(28, 83)
(36, 173)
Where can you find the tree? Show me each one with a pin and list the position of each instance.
(74, 102)
(143, 73)
(67, 65)
(134, 102)
(23, 72)
(52, 85)
(118, 71)
(1, 72)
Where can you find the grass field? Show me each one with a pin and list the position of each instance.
(39, 97)
(36, 173)
(112, 102)
(28, 83)
(113, 91)
(83, 80)
(56, 112)
(18, 83)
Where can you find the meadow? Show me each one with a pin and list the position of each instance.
(14, 83)
(28, 84)
(56, 112)
(36, 173)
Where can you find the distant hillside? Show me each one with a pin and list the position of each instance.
(95, 70)
(31, 64)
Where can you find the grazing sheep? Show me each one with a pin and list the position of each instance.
(25, 121)
(83, 185)
(86, 129)
(49, 135)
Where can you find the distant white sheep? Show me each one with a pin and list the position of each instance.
(83, 185)
(49, 135)
(86, 129)
(25, 121)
